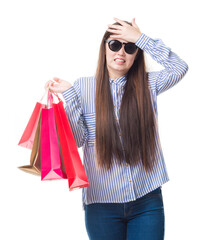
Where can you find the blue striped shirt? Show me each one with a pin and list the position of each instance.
(122, 183)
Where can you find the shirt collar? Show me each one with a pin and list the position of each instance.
(120, 81)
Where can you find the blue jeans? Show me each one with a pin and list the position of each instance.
(142, 219)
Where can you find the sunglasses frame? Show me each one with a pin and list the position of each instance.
(122, 43)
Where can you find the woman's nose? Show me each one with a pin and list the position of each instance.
(121, 51)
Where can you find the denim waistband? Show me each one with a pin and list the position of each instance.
(157, 190)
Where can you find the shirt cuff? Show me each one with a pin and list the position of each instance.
(69, 94)
(142, 41)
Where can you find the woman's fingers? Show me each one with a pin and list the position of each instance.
(54, 88)
(50, 84)
(116, 37)
(47, 84)
(57, 85)
(114, 31)
(120, 21)
(126, 31)
(134, 23)
(56, 79)
(113, 26)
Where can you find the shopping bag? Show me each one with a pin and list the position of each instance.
(28, 135)
(74, 168)
(35, 164)
(52, 166)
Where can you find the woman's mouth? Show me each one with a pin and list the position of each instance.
(119, 60)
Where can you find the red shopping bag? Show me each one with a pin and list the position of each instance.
(35, 163)
(52, 166)
(27, 138)
(75, 171)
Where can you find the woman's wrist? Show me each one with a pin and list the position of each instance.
(138, 36)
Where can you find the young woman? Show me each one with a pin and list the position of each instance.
(113, 116)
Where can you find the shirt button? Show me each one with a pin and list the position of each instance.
(130, 181)
(127, 165)
(144, 39)
(114, 105)
(113, 91)
(116, 119)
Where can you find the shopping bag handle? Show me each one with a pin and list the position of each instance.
(50, 98)
(45, 93)
(55, 94)
(49, 95)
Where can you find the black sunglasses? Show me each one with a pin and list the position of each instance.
(116, 45)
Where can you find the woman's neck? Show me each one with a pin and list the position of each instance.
(115, 76)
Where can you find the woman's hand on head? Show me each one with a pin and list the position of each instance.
(125, 31)
(57, 85)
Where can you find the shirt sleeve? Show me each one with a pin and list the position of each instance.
(174, 67)
(74, 113)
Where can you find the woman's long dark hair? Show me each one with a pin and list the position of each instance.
(137, 122)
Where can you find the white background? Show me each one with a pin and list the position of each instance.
(43, 39)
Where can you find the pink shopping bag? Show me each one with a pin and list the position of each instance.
(27, 138)
(52, 166)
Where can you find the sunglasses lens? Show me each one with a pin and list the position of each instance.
(130, 48)
(115, 45)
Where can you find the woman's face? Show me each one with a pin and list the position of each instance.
(118, 63)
